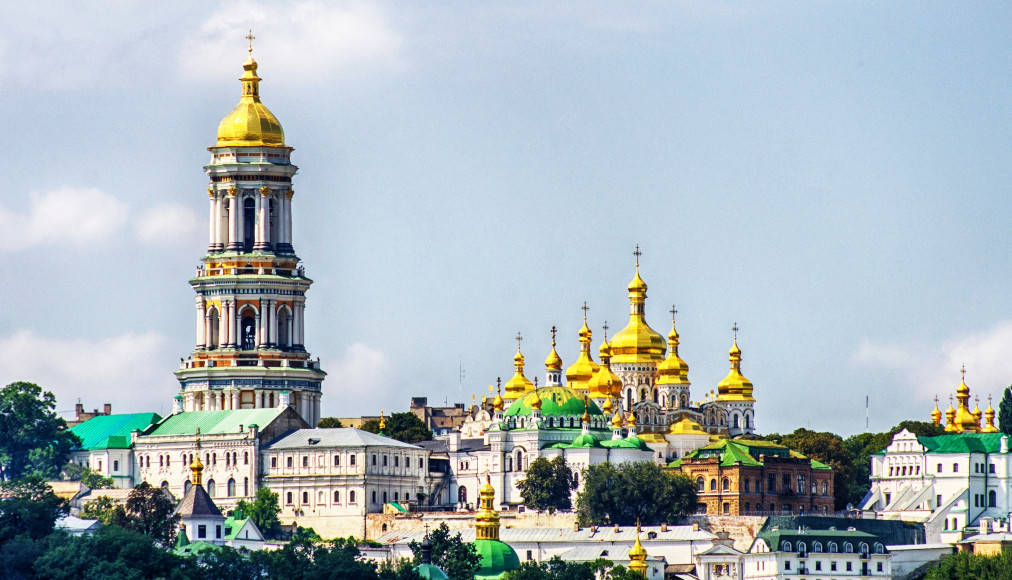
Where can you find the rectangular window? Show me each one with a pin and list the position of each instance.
(818, 565)
(305, 461)
(100, 465)
(530, 555)
(289, 462)
(787, 482)
(115, 466)
(787, 565)
(337, 460)
(407, 462)
(939, 470)
(990, 468)
(274, 461)
(374, 459)
(878, 567)
(217, 532)
(832, 566)
(849, 567)
(771, 485)
(938, 501)
(201, 531)
(955, 468)
(351, 460)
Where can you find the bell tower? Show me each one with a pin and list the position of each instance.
(251, 287)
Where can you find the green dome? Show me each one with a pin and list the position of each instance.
(627, 443)
(585, 440)
(497, 558)
(555, 401)
(430, 572)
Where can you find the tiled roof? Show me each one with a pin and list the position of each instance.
(197, 503)
(343, 437)
(213, 422)
(963, 443)
(112, 431)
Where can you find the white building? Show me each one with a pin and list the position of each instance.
(828, 554)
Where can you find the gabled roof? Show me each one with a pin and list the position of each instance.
(775, 538)
(343, 437)
(196, 503)
(112, 431)
(963, 443)
(213, 422)
(233, 526)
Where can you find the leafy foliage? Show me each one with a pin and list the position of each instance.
(622, 494)
(92, 479)
(105, 510)
(966, 566)
(149, 511)
(330, 423)
(29, 508)
(559, 569)
(548, 485)
(827, 448)
(263, 510)
(33, 439)
(113, 552)
(457, 558)
(406, 427)
(863, 445)
(1005, 412)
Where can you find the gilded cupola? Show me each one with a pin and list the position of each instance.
(966, 422)
(950, 419)
(638, 555)
(605, 383)
(518, 384)
(936, 415)
(486, 521)
(673, 370)
(735, 387)
(637, 342)
(580, 372)
(989, 419)
(250, 123)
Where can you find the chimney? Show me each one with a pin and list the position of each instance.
(107, 408)
(695, 526)
(576, 526)
(284, 400)
(177, 405)
(985, 525)
(79, 410)
(1004, 444)
(664, 526)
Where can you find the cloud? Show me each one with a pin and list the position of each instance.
(361, 380)
(304, 39)
(127, 371)
(930, 369)
(66, 216)
(167, 225)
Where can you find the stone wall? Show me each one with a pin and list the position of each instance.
(741, 529)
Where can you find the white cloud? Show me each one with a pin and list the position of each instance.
(126, 371)
(361, 380)
(304, 39)
(930, 369)
(167, 225)
(78, 217)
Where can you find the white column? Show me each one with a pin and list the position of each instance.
(207, 328)
(236, 325)
(222, 324)
(264, 218)
(234, 222)
(261, 335)
(298, 314)
(258, 238)
(316, 409)
(212, 234)
(201, 323)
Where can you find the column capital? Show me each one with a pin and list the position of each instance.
(290, 193)
(232, 191)
(265, 191)
(201, 303)
(210, 192)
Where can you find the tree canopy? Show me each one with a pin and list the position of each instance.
(29, 508)
(1005, 412)
(330, 423)
(263, 510)
(629, 492)
(33, 439)
(452, 555)
(149, 510)
(92, 479)
(548, 485)
(406, 427)
(558, 569)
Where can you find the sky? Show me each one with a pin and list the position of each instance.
(832, 177)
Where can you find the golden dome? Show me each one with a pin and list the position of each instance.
(580, 372)
(518, 384)
(554, 361)
(950, 419)
(607, 406)
(616, 420)
(638, 555)
(637, 342)
(735, 387)
(197, 468)
(673, 370)
(605, 383)
(686, 426)
(497, 402)
(966, 420)
(989, 419)
(486, 521)
(936, 415)
(250, 123)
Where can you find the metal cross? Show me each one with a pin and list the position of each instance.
(962, 371)
(673, 312)
(605, 327)
(735, 329)
(637, 253)
(585, 309)
(519, 340)
(553, 337)
(250, 38)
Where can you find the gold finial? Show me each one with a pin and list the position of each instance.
(382, 423)
(535, 383)
(637, 253)
(250, 38)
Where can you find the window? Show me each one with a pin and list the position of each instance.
(384, 461)
(787, 546)
(786, 482)
(210, 487)
(848, 548)
(201, 531)
(713, 485)
(100, 465)
(337, 461)
(832, 548)
(849, 567)
(825, 488)
(374, 459)
(878, 567)
(305, 497)
(992, 499)
(274, 461)
(231, 487)
(746, 485)
(384, 497)
(771, 483)
(725, 485)
(407, 462)
(817, 547)
(217, 532)
(818, 565)
(530, 555)
(801, 484)
(337, 497)
(305, 461)
(245, 487)
(700, 483)
(289, 462)
(245, 458)
(726, 508)
(396, 461)
(990, 468)
(115, 466)
(939, 470)
(288, 498)
(955, 468)
(832, 566)
(938, 500)
(374, 497)
(351, 496)
(351, 460)
(787, 565)
(879, 548)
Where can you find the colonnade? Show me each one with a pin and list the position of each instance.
(277, 325)
(306, 404)
(226, 229)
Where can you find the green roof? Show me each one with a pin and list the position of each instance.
(775, 539)
(497, 558)
(746, 452)
(112, 431)
(196, 548)
(555, 401)
(430, 572)
(633, 442)
(397, 506)
(212, 422)
(734, 453)
(963, 443)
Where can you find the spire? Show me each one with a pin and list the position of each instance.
(580, 372)
(518, 384)
(486, 522)
(637, 342)
(936, 415)
(638, 555)
(989, 418)
(673, 370)
(382, 425)
(497, 402)
(196, 467)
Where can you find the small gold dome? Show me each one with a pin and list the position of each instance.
(673, 370)
(637, 342)
(579, 374)
(250, 123)
(616, 420)
(686, 426)
(518, 383)
(608, 406)
(735, 387)
(989, 419)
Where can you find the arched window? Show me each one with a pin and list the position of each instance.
(655, 395)
(231, 487)
(509, 463)
(848, 548)
(734, 420)
(825, 488)
(748, 424)
(288, 498)
(305, 497)
(284, 332)
(746, 485)
(337, 497)
(832, 548)
(520, 459)
(351, 496)
(462, 495)
(643, 394)
(186, 486)
(725, 484)
(802, 547)
(786, 547)
(817, 547)
(249, 330)
(864, 550)
(879, 548)
(210, 487)
(628, 399)
(212, 328)
(992, 499)
(713, 485)
(161, 461)
(700, 483)
(245, 487)
(397, 496)
(165, 485)
(234, 457)
(245, 458)
(384, 497)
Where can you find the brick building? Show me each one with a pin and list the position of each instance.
(741, 477)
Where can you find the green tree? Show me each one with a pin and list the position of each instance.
(452, 555)
(827, 448)
(85, 475)
(150, 510)
(113, 552)
(330, 423)
(1005, 412)
(559, 569)
(264, 510)
(33, 439)
(548, 485)
(966, 566)
(29, 507)
(406, 427)
(105, 510)
(629, 492)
